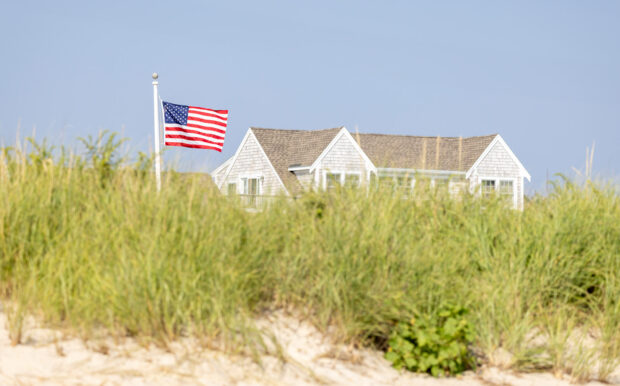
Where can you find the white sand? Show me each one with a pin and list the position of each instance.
(44, 358)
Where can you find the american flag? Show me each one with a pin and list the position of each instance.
(197, 127)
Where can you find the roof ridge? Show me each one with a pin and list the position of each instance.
(296, 130)
(426, 136)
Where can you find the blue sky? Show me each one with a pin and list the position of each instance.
(543, 74)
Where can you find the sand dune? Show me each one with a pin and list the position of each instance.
(44, 357)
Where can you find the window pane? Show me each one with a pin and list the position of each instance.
(253, 186)
(506, 191)
(488, 187)
(505, 187)
(251, 190)
(332, 179)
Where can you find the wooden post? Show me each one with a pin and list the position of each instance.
(437, 153)
(460, 152)
(424, 154)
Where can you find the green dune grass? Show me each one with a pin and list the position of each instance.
(87, 244)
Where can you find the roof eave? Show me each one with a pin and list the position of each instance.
(298, 168)
(423, 171)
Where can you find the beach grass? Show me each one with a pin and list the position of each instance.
(89, 245)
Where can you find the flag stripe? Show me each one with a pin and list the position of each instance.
(200, 114)
(191, 138)
(222, 113)
(191, 141)
(197, 129)
(195, 135)
(182, 131)
(207, 121)
(206, 127)
(195, 144)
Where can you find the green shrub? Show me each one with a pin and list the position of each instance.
(435, 344)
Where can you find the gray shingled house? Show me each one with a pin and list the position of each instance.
(271, 162)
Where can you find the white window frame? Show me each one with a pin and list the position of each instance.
(498, 181)
(342, 173)
(394, 177)
(241, 186)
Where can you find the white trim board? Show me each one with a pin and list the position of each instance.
(498, 138)
(298, 168)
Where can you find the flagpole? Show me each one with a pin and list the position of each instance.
(156, 132)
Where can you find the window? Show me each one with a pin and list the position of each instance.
(332, 180)
(232, 189)
(349, 179)
(402, 182)
(487, 188)
(251, 189)
(506, 190)
(251, 186)
(502, 187)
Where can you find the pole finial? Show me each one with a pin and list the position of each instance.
(155, 76)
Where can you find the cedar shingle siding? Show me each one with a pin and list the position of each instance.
(343, 157)
(300, 149)
(499, 164)
(252, 162)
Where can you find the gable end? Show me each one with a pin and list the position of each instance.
(498, 140)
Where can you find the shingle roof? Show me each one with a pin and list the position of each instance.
(293, 147)
(425, 153)
(285, 148)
